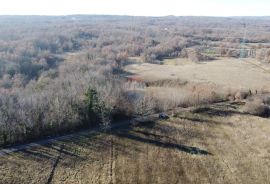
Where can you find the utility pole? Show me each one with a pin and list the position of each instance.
(243, 43)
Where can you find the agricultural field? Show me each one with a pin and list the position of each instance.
(216, 143)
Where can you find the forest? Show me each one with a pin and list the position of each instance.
(60, 74)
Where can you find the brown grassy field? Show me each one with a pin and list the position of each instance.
(226, 72)
(217, 143)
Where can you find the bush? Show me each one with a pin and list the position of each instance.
(257, 107)
(263, 55)
(240, 95)
(266, 100)
(195, 55)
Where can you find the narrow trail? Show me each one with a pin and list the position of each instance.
(55, 165)
(112, 162)
(258, 66)
(10, 150)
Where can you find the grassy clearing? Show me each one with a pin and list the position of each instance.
(210, 144)
(227, 72)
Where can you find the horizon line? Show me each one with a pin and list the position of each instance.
(125, 15)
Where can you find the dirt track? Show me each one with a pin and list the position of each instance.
(7, 151)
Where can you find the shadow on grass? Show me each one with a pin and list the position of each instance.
(89, 147)
(216, 111)
(55, 165)
(207, 114)
(48, 151)
(179, 147)
(156, 139)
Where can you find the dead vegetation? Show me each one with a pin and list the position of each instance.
(215, 143)
(214, 91)
(195, 55)
(258, 106)
(228, 73)
(51, 68)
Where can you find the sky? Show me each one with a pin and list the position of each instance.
(137, 7)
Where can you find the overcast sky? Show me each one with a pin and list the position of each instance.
(137, 7)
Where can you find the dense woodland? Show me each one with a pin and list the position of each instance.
(41, 94)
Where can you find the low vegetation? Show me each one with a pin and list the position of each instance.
(258, 106)
(215, 143)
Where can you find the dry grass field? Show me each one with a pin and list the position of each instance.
(217, 143)
(226, 72)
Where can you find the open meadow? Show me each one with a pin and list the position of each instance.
(209, 144)
(233, 73)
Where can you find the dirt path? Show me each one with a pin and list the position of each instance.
(13, 149)
(258, 66)
(55, 165)
(112, 162)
